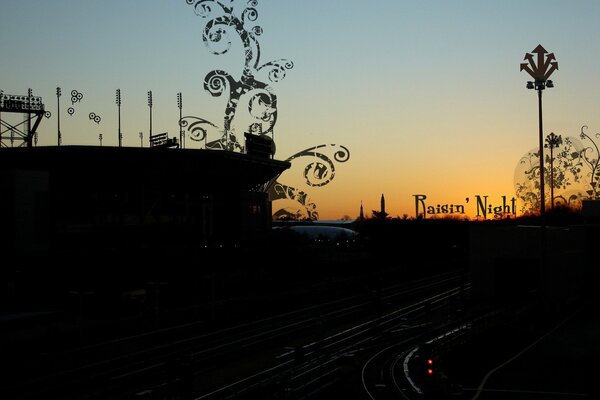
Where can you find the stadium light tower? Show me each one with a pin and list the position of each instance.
(58, 93)
(150, 107)
(180, 105)
(118, 94)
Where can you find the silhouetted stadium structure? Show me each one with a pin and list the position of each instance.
(82, 199)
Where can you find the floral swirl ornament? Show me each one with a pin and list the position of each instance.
(296, 203)
(261, 101)
(319, 171)
(199, 129)
(572, 166)
(589, 157)
(254, 90)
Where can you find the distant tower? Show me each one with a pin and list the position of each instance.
(381, 214)
(361, 216)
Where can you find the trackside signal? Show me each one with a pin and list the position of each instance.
(429, 367)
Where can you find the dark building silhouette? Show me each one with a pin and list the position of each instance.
(77, 199)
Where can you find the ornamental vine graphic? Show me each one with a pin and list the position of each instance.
(252, 89)
(318, 172)
(573, 170)
(261, 101)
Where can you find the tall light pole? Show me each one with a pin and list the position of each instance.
(118, 94)
(150, 106)
(29, 99)
(58, 114)
(552, 142)
(540, 71)
(180, 105)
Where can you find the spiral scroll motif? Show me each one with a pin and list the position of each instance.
(216, 82)
(250, 14)
(197, 128)
(221, 23)
(303, 206)
(277, 69)
(317, 173)
(321, 171)
(253, 85)
(263, 107)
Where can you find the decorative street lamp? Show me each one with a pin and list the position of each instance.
(540, 72)
(552, 142)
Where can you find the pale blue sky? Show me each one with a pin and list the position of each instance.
(427, 96)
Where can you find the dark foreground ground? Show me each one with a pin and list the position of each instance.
(77, 299)
(536, 358)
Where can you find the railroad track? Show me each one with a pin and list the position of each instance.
(398, 371)
(172, 359)
(323, 361)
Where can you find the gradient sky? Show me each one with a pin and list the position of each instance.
(427, 96)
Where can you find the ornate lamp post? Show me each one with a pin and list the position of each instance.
(552, 142)
(540, 72)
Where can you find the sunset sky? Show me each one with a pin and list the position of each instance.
(427, 96)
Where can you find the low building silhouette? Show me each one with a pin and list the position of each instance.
(87, 216)
(70, 198)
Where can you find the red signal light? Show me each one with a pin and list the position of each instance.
(429, 366)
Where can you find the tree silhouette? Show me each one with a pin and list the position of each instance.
(379, 214)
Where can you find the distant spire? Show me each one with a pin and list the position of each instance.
(361, 216)
(382, 205)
